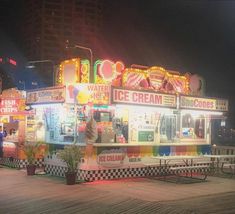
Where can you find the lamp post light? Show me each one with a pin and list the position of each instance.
(91, 78)
(30, 64)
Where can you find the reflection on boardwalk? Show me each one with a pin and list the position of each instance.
(45, 194)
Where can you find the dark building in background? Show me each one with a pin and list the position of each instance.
(38, 30)
(8, 28)
(49, 24)
(10, 13)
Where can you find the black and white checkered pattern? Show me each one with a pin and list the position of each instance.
(55, 170)
(104, 174)
(18, 163)
(60, 171)
(10, 162)
(94, 175)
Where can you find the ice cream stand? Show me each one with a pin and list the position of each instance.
(140, 113)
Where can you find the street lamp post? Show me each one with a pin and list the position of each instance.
(91, 78)
(30, 64)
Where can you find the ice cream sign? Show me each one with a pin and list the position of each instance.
(88, 93)
(122, 96)
(111, 157)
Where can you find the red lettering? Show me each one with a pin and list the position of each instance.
(121, 95)
(141, 98)
(146, 98)
(135, 97)
(158, 99)
(126, 96)
(151, 99)
(115, 157)
(101, 158)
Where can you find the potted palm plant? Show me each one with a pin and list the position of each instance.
(71, 155)
(32, 150)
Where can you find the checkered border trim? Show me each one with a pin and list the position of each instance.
(109, 174)
(94, 175)
(60, 171)
(106, 174)
(18, 163)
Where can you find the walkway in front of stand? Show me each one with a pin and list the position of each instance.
(44, 194)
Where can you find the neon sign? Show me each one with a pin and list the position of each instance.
(155, 78)
(85, 71)
(73, 71)
(107, 71)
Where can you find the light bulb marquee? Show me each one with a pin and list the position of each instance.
(114, 73)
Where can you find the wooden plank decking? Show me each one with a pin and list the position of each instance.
(44, 194)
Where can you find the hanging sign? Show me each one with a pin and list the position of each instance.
(123, 96)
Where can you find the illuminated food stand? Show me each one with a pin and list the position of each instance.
(12, 118)
(49, 114)
(140, 113)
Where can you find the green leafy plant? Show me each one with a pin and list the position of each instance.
(71, 155)
(34, 149)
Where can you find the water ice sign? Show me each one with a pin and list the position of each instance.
(88, 93)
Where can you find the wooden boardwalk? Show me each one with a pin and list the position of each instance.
(44, 194)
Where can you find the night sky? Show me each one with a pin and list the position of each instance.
(186, 36)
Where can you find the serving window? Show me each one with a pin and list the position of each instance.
(168, 128)
(139, 124)
(143, 125)
(193, 126)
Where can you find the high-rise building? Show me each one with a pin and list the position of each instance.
(49, 24)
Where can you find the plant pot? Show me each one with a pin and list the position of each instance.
(71, 178)
(31, 169)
